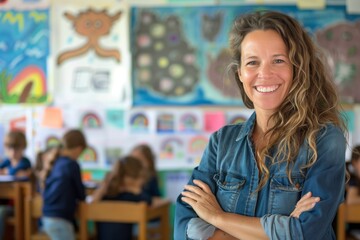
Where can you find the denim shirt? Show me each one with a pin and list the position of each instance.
(229, 167)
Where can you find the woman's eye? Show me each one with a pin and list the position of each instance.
(251, 63)
(279, 61)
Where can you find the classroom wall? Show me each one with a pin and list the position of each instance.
(157, 75)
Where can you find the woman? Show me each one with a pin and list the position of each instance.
(256, 179)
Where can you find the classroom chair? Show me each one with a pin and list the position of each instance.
(126, 212)
(33, 212)
(347, 213)
(12, 191)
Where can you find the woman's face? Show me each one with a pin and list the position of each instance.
(265, 69)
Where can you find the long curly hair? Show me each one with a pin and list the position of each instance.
(312, 101)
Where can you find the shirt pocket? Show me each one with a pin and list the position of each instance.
(228, 190)
(284, 195)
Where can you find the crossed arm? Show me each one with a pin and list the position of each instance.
(229, 225)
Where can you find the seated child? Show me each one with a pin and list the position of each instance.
(15, 164)
(145, 154)
(124, 183)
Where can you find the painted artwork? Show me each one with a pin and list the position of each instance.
(24, 51)
(181, 54)
(92, 62)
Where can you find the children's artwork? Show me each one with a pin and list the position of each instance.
(24, 50)
(190, 122)
(115, 118)
(196, 147)
(172, 148)
(52, 141)
(165, 123)
(238, 116)
(181, 54)
(92, 54)
(214, 120)
(112, 155)
(91, 120)
(89, 155)
(139, 122)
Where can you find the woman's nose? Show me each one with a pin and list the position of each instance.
(265, 70)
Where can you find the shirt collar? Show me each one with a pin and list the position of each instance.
(247, 127)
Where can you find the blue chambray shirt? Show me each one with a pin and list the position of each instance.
(229, 168)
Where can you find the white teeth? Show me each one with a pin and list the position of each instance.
(267, 89)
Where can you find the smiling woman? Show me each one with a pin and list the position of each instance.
(268, 177)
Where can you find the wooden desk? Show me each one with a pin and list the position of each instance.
(16, 191)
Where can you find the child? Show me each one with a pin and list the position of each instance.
(16, 164)
(63, 187)
(144, 153)
(123, 183)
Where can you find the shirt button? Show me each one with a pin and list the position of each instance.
(297, 185)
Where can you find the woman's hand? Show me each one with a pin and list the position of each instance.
(306, 203)
(202, 200)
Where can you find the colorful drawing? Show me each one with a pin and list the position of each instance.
(91, 120)
(112, 155)
(139, 122)
(205, 30)
(24, 49)
(52, 141)
(342, 43)
(115, 118)
(197, 144)
(92, 25)
(172, 148)
(165, 123)
(189, 123)
(237, 119)
(89, 155)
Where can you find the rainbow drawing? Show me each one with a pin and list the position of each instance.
(89, 155)
(29, 75)
(237, 119)
(188, 122)
(197, 144)
(139, 122)
(91, 120)
(52, 141)
(172, 148)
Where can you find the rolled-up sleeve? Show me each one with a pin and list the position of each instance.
(325, 179)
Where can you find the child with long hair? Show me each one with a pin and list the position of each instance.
(63, 187)
(123, 183)
(144, 153)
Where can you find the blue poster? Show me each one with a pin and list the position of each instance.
(24, 50)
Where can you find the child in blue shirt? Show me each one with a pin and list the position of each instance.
(15, 164)
(63, 187)
(124, 183)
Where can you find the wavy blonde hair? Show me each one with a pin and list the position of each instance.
(312, 101)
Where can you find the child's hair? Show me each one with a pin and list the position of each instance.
(127, 166)
(72, 139)
(15, 139)
(147, 152)
(355, 154)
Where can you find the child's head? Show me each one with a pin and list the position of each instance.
(355, 159)
(128, 170)
(15, 144)
(74, 143)
(144, 153)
